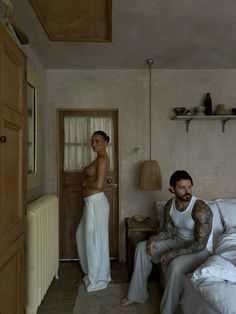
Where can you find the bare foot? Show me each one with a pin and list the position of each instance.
(126, 302)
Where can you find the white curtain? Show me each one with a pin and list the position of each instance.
(78, 131)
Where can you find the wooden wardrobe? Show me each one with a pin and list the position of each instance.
(13, 175)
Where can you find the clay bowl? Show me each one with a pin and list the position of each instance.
(138, 218)
(179, 110)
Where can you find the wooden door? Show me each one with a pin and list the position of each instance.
(71, 199)
(12, 175)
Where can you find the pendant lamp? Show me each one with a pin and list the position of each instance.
(150, 174)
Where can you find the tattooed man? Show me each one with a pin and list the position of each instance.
(184, 243)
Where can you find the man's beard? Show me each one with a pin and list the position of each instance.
(185, 198)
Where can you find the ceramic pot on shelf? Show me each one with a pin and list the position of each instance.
(199, 111)
(221, 111)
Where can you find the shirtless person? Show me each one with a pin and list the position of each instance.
(92, 232)
(184, 243)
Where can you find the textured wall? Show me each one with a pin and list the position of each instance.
(206, 152)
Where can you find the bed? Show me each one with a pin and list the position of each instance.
(211, 288)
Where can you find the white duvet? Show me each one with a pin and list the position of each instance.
(216, 278)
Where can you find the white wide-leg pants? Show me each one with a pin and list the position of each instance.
(93, 242)
(174, 279)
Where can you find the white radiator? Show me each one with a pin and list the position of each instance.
(42, 248)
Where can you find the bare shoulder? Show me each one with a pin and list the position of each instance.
(103, 160)
(201, 211)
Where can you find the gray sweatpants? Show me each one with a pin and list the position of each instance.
(174, 279)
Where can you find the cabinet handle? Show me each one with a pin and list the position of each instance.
(3, 139)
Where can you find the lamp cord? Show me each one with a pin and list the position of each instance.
(150, 110)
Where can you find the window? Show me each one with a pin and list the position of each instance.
(78, 131)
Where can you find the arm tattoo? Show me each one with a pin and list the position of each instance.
(168, 227)
(202, 215)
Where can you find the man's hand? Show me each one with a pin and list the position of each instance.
(166, 258)
(150, 244)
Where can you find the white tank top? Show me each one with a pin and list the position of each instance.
(184, 222)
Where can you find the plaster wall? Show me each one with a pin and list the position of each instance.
(206, 152)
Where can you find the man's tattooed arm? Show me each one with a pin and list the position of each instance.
(168, 227)
(202, 215)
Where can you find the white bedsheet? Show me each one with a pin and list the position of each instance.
(220, 295)
(216, 278)
(192, 301)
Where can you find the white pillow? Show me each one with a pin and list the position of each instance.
(217, 222)
(217, 225)
(228, 211)
(231, 200)
(226, 245)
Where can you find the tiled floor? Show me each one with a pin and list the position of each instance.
(61, 295)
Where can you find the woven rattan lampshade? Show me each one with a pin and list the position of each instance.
(150, 174)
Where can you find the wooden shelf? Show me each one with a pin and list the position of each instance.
(188, 119)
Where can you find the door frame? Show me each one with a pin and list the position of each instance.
(110, 112)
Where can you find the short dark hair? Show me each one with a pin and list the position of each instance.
(179, 175)
(103, 134)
